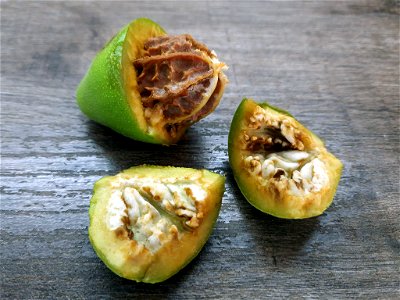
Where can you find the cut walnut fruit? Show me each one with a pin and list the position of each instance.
(281, 167)
(150, 86)
(148, 222)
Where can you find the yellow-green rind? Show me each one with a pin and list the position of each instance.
(159, 270)
(102, 94)
(255, 194)
(100, 190)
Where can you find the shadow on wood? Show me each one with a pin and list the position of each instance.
(125, 152)
(282, 240)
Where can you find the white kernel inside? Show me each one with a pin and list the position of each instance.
(290, 168)
(116, 210)
(143, 206)
(310, 175)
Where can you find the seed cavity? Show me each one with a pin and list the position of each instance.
(276, 155)
(153, 212)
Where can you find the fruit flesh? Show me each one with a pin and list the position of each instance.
(148, 222)
(111, 92)
(281, 167)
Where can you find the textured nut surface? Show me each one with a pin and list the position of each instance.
(179, 81)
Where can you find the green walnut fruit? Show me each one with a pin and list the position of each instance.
(281, 167)
(151, 86)
(148, 222)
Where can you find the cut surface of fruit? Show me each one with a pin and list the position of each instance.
(148, 222)
(281, 167)
(151, 86)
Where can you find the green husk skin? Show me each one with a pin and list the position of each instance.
(102, 189)
(254, 195)
(101, 95)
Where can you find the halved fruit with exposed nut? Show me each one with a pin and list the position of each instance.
(151, 86)
(281, 167)
(148, 222)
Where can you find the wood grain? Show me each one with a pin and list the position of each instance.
(334, 65)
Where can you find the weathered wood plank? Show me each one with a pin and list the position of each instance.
(334, 65)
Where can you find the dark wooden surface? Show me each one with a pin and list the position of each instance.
(333, 64)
